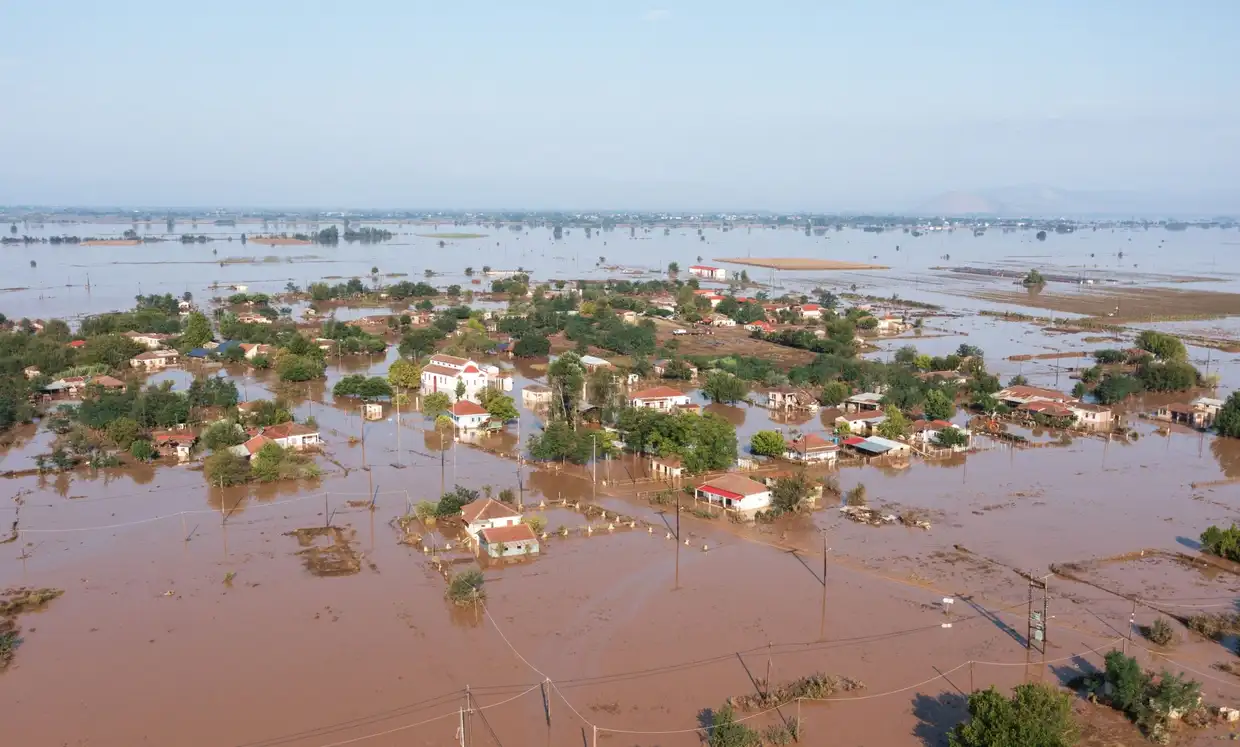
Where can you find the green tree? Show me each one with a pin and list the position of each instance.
(221, 435)
(1034, 278)
(1115, 389)
(224, 468)
(197, 331)
(938, 406)
(141, 450)
(1037, 715)
(1227, 422)
(501, 407)
(466, 588)
(566, 377)
(435, 404)
(790, 492)
(833, 393)
(726, 731)
(299, 368)
(404, 375)
(532, 346)
(673, 268)
(460, 390)
(112, 350)
(906, 356)
(1224, 543)
(895, 426)
(1163, 346)
(724, 387)
(418, 342)
(767, 443)
(265, 465)
(951, 437)
(122, 432)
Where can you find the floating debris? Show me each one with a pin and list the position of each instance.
(815, 686)
(864, 515)
(327, 551)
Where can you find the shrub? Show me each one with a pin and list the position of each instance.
(1160, 633)
(225, 468)
(535, 522)
(466, 588)
(727, 732)
(856, 496)
(1037, 715)
(425, 511)
(141, 450)
(1224, 543)
(767, 443)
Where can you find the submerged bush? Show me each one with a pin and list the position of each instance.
(466, 588)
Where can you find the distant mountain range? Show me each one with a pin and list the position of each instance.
(1044, 201)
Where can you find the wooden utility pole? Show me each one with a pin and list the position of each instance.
(678, 540)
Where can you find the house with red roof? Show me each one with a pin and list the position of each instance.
(443, 373)
(292, 435)
(735, 491)
(809, 310)
(180, 443)
(760, 326)
(659, 398)
(812, 449)
(251, 447)
(504, 542)
(468, 415)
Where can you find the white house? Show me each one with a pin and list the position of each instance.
(659, 398)
(154, 360)
(719, 320)
(152, 340)
(444, 372)
(810, 311)
(812, 449)
(467, 415)
(292, 435)
(1088, 415)
(708, 272)
(927, 431)
(735, 491)
(252, 318)
(1015, 396)
(536, 395)
(592, 363)
(791, 398)
(503, 542)
(487, 514)
(890, 325)
(253, 350)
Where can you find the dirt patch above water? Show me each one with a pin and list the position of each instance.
(799, 263)
(1118, 305)
(328, 551)
(14, 602)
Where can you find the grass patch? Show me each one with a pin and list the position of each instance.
(814, 686)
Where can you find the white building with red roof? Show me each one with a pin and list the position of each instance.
(812, 449)
(467, 415)
(293, 435)
(443, 372)
(659, 398)
(487, 513)
(735, 491)
(708, 272)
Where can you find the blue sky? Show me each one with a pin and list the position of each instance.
(678, 104)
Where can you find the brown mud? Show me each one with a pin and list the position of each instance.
(328, 551)
(1123, 305)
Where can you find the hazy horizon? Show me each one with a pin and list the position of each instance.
(556, 105)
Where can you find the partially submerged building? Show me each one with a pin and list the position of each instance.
(733, 491)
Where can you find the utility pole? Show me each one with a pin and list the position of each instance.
(678, 539)
(469, 713)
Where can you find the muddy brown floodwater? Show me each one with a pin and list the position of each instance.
(189, 616)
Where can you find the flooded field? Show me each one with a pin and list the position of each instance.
(298, 614)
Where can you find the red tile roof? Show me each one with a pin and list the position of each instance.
(853, 440)
(514, 533)
(449, 359)
(735, 484)
(441, 370)
(77, 343)
(256, 443)
(658, 392)
(465, 407)
(487, 508)
(284, 430)
(812, 442)
(165, 437)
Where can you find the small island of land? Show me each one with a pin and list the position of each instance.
(800, 263)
